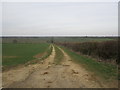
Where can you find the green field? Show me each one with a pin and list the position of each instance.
(14, 54)
(82, 39)
(101, 69)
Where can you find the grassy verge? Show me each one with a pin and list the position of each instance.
(14, 54)
(59, 55)
(106, 71)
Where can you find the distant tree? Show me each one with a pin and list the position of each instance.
(52, 40)
(14, 41)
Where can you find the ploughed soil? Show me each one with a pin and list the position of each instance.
(46, 74)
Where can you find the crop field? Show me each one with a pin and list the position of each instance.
(82, 39)
(14, 54)
(60, 62)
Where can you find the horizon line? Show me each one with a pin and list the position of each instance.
(59, 35)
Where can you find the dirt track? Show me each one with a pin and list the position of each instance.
(48, 75)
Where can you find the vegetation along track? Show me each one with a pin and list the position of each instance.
(48, 74)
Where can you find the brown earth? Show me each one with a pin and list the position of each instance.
(46, 74)
(38, 55)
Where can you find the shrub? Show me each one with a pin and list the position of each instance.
(103, 50)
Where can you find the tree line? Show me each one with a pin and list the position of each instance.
(106, 50)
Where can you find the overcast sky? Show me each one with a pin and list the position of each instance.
(75, 18)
